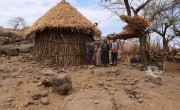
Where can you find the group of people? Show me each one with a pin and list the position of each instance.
(98, 53)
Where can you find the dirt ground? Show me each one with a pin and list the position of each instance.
(100, 88)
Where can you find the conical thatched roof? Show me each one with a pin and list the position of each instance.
(64, 17)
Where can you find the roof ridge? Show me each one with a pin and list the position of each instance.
(63, 1)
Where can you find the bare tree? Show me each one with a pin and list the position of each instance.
(17, 22)
(166, 21)
(176, 28)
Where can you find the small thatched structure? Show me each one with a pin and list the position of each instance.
(112, 36)
(61, 35)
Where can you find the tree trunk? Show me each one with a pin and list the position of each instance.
(144, 57)
(165, 44)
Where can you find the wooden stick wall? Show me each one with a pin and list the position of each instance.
(61, 48)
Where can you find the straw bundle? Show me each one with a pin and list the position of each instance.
(63, 17)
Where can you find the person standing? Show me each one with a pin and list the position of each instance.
(114, 52)
(90, 51)
(98, 54)
(105, 53)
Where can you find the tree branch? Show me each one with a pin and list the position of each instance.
(142, 6)
(116, 13)
(165, 29)
(135, 13)
(154, 30)
(127, 7)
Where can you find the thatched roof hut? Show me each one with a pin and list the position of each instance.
(61, 35)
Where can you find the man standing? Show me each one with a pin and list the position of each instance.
(114, 52)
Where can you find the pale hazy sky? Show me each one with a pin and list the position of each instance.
(31, 10)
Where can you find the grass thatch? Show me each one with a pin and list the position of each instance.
(64, 17)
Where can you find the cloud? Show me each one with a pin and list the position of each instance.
(31, 10)
(28, 9)
(107, 23)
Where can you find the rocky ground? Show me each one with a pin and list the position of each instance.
(23, 83)
(99, 88)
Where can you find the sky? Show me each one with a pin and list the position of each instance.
(31, 10)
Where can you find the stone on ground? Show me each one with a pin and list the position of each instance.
(62, 84)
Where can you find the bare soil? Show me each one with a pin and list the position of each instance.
(100, 88)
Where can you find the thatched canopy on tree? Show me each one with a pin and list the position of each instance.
(135, 24)
(63, 17)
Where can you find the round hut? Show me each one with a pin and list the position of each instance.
(61, 35)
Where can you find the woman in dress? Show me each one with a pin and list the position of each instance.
(98, 54)
(105, 53)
